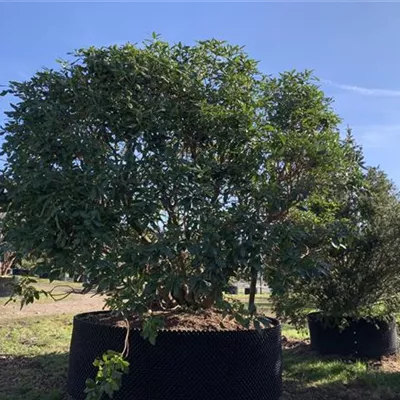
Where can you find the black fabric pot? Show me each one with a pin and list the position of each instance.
(372, 338)
(20, 271)
(183, 365)
(232, 290)
(247, 291)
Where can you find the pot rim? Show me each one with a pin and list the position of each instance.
(313, 314)
(80, 318)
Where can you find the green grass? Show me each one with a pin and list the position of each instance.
(41, 284)
(36, 336)
(34, 358)
(262, 300)
(312, 371)
(292, 333)
(309, 376)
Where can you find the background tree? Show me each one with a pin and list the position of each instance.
(354, 257)
(161, 171)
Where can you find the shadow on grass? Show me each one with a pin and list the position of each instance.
(6, 288)
(308, 376)
(41, 377)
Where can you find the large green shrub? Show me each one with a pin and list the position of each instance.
(159, 171)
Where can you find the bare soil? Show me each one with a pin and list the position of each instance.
(74, 304)
(205, 320)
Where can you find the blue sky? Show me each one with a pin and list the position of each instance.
(352, 47)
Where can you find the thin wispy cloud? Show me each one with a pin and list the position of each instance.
(364, 91)
(378, 136)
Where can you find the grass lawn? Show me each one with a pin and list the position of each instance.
(34, 358)
(41, 284)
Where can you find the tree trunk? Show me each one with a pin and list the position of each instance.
(253, 289)
(7, 263)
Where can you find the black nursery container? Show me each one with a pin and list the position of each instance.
(372, 338)
(20, 271)
(183, 365)
(232, 290)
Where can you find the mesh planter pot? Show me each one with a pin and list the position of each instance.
(232, 290)
(371, 338)
(247, 291)
(195, 365)
(20, 271)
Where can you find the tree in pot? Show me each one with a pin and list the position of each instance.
(161, 172)
(355, 277)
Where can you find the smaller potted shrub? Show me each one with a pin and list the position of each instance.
(355, 279)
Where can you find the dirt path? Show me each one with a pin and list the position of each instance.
(74, 304)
